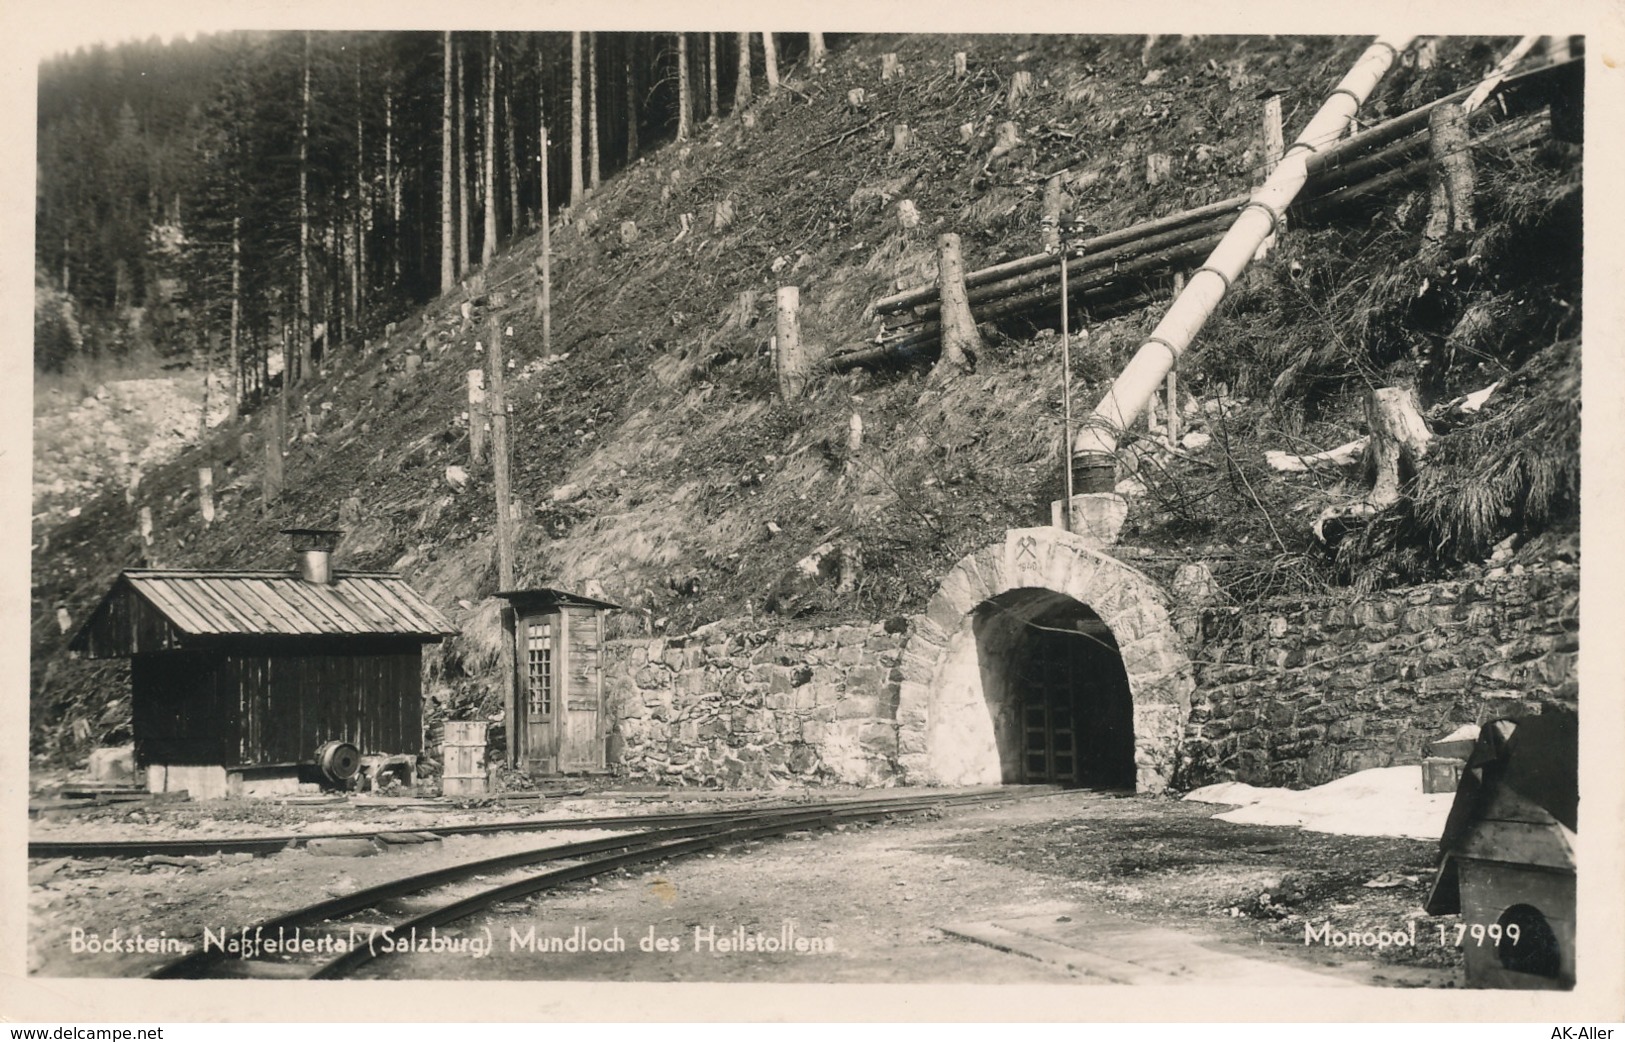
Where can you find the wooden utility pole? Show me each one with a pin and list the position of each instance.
(498, 403)
(478, 415)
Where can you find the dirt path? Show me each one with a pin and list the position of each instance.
(1081, 887)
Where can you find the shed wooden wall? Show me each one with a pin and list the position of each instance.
(249, 706)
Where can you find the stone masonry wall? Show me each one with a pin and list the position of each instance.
(1296, 692)
(735, 705)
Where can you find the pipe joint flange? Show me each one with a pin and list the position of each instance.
(1172, 351)
(1215, 271)
(1275, 220)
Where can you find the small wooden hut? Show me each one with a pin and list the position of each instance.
(1507, 854)
(255, 680)
(557, 709)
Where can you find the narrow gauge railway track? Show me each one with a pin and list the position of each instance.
(203, 847)
(353, 918)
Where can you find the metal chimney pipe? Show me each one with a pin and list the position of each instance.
(315, 549)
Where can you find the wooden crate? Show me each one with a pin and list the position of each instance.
(1441, 773)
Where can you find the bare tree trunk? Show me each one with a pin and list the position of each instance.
(685, 104)
(448, 258)
(577, 187)
(390, 186)
(513, 167)
(959, 336)
(479, 417)
(488, 247)
(463, 261)
(631, 113)
(358, 291)
(303, 323)
(742, 85)
(815, 50)
(711, 64)
(593, 175)
(236, 307)
(544, 296)
(772, 55)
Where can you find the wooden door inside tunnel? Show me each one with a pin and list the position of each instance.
(1057, 690)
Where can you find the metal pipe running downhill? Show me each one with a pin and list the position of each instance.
(1259, 218)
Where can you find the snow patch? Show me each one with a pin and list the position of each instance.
(1384, 801)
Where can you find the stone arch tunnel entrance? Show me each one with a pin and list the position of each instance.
(1042, 659)
(1053, 680)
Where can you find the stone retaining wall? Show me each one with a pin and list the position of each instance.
(756, 707)
(1296, 692)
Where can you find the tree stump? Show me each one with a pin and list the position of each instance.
(144, 526)
(1054, 203)
(1021, 85)
(890, 68)
(745, 316)
(789, 357)
(960, 340)
(1427, 54)
(908, 215)
(1158, 167)
(477, 426)
(961, 65)
(902, 138)
(1006, 139)
(1454, 180)
(629, 232)
(205, 494)
(723, 216)
(1399, 440)
(967, 133)
(856, 98)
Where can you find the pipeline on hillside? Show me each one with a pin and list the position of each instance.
(1145, 372)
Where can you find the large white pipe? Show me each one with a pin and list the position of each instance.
(1146, 371)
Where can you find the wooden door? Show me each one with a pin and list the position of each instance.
(1049, 734)
(581, 746)
(538, 676)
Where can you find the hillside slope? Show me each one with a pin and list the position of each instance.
(653, 456)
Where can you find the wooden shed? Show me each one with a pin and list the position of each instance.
(245, 679)
(557, 711)
(1507, 855)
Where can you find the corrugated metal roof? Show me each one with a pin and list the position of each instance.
(260, 603)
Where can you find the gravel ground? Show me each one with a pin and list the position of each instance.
(875, 898)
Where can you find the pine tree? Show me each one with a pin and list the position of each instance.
(488, 248)
(685, 107)
(577, 189)
(448, 258)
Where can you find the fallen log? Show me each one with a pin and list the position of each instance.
(1341, 156)
(1021, 265)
